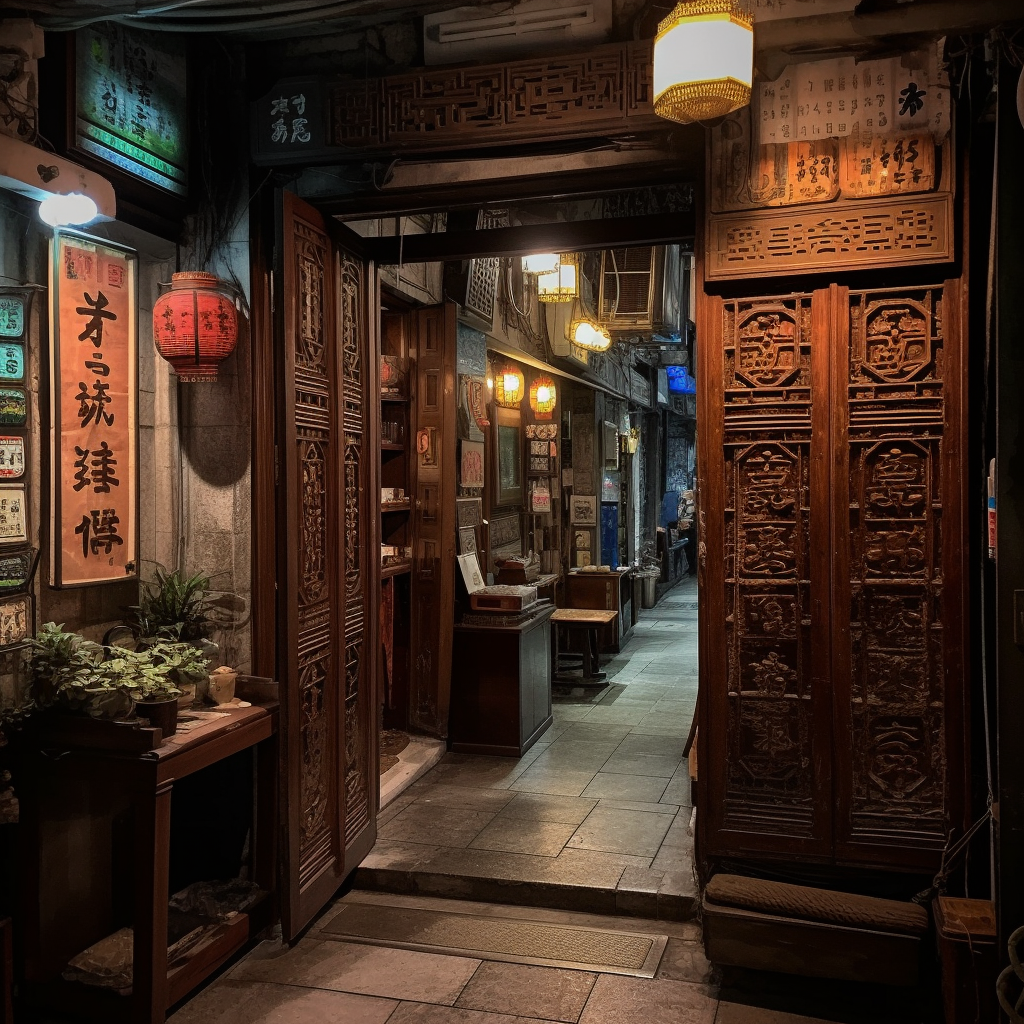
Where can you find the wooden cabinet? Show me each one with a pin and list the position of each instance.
(97, 834)
(833, 701)
(501, 686)
(612, 591)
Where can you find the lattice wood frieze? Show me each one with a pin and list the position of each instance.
(606, 90)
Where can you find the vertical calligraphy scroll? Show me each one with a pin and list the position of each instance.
(93, 411)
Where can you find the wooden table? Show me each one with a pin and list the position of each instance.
(588, 621)
(96, 838)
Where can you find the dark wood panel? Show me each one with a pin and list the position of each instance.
(433, 534)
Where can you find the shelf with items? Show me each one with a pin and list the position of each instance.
(395, 506)
(395, 569)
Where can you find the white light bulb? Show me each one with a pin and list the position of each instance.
(73, 208)
(543, 394)
(510, 382)
(490, 383)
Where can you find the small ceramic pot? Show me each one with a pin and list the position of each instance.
(222, 686)
(161, 713)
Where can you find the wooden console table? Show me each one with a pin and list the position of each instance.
(95, 839)
(501, 686)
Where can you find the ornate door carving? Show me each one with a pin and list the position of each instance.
(433, 568)
(325, 599)
(831, 659)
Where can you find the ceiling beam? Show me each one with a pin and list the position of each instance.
(577, 236)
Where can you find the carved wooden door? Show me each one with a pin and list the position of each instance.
(433, 475)
(831, 548)
(326, 600)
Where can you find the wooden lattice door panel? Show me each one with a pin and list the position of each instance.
(901, 765)
(765, 483)
(433, 533)
(832, 660)
(324, 591)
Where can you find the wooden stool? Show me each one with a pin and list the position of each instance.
(587, 621)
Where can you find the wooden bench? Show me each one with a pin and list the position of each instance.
(588, 622)
(794, 929)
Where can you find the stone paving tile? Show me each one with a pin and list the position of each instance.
(587, 860)
(660, 765)
(540, 807)
(442, 794)
(596, 732)
(678, 790)
(612, 715)
(515, 835)
(426, 823)
(553, 781)
(366, 970)
(641, 743)
(616, 1000)
(589, 870)
(547, 992)
(685, 961)
(611, 830)
(400, 856)
(245, 1002)
(607, 785)
(640, 805)
(425, 1013)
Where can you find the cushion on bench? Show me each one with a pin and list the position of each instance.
(800, 901)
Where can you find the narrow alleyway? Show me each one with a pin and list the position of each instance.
(595, 817)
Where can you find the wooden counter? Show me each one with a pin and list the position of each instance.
(501, 686)
(612, 591)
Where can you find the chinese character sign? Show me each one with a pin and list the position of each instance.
(838, 98)
(288, 122)
(94, 408)
(131, 102)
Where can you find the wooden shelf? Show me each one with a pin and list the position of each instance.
(396, 569)
(395, 398)
(397, 506)
(391, 446)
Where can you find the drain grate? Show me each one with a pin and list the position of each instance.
(497, 938)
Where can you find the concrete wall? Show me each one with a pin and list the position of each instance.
(194, 444)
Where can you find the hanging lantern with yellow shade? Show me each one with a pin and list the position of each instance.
(509, 386)
(543, 397)
(703, 60)
(560, 284)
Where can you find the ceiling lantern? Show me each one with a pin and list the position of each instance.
(540, 263)
(560, 284)
(509, 386)
(195, 325)
(703, 60)
(590, 336)
(543, 397)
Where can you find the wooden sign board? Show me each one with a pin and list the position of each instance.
(93, 411)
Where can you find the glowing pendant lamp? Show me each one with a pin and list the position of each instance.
(541, 263)
(509, 386)
(559, 285)
(543, 397)
(703, 60)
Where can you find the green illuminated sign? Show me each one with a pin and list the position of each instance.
(131, 106)
(12, 316)
(12, 362)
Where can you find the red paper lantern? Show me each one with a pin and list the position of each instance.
(195, 325)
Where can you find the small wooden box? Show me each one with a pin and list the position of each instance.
(503, 599)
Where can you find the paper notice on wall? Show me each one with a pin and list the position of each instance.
(841, 97)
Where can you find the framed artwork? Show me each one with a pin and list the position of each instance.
(17, 619)
(467, 540)
(582, 559)
(17, 569)
(471, 464)
(508, 463)
(610, 444)
(13, 515)
(469, 511)
(611, 485)
(581, 540)
(583, 510)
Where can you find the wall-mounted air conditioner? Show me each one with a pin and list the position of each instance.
(642, 290)
(497, 31)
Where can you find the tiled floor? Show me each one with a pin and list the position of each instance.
(596, 816)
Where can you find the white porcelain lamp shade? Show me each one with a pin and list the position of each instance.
(703, 61)
(590, 336)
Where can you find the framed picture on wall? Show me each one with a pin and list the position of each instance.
(471, 463)
(508, 462)
(583, 510)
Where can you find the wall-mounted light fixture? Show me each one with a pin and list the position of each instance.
(590, 336)
(509, 386)
(540, 263)
(560, 284)
(543, 397)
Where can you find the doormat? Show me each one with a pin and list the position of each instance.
(498, 938)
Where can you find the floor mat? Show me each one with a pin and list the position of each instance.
(498, 938)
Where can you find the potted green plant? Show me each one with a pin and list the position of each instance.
(173, 607)
(161, 671)
(66, 669)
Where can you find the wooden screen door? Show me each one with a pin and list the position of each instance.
(832, 553)
(327, 536)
